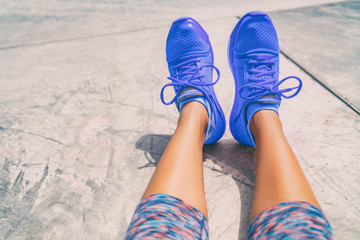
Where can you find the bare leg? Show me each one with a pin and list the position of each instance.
(279, 177)
(180, 169)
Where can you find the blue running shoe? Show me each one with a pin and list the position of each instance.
(253, 54)
(190, 61)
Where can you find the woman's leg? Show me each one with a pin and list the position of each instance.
(279, 177)
(180, 169)
(173, 205)
(284, 205)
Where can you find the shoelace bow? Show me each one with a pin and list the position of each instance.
(263, 82)
(186, 68)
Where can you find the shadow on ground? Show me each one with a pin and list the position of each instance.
(233, 159)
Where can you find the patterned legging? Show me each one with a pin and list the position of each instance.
(161, 216)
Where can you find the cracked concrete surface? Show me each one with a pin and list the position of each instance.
(82, 126)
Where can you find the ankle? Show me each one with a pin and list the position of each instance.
(194, 112)
(263, 120)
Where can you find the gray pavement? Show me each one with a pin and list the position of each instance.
(325, 40)
(82, 126)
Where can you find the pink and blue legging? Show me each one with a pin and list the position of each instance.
(161, 216)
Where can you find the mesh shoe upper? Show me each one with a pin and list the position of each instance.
(190, 61)
(183, 40)
(253, 54)
(257, 35)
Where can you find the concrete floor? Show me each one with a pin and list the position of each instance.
(325, 39)
(82, 125)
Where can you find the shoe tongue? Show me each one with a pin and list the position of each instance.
(266, 76)
(189, 75)
(264, 68)
(185, 77)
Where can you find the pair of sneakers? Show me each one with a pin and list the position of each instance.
(253, 54)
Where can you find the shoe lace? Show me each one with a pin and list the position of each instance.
(263, 82)
(188, 75)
